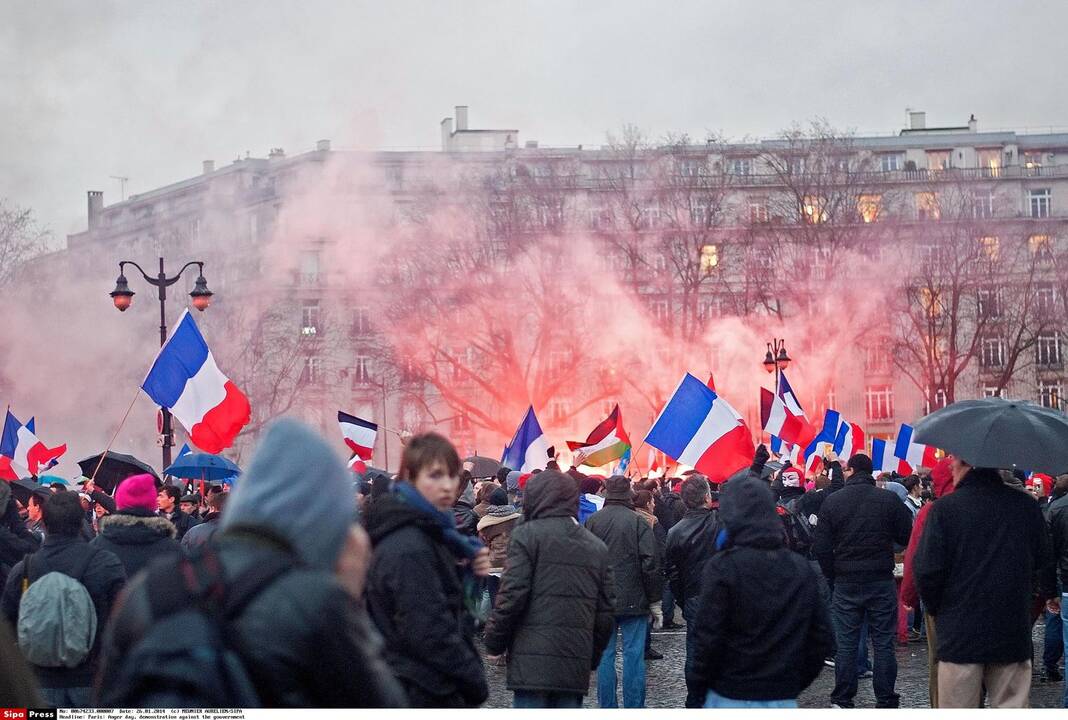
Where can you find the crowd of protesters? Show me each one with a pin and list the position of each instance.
(308, 586)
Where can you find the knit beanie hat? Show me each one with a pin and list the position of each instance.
(137, 491)
(498, 497)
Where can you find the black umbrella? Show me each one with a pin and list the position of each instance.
(483, 467)
(999, 433)
(23, 488)
(115, 468)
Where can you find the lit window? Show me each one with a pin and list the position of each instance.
(814, 209)
(1039, 202)
(869, 206)
(709, 258)
(931, 301)
(1040, 245)
(1033, 163)
(309, 317)
(1049, 394)
(989, 161)
(989, 248)
(938, 159)
(927, 206)
(880, 402)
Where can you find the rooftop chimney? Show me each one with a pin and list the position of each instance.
(96, 207)
(461, 117)
(276, 154)
(322, 145)
(973, 124)
(917, 120)
(446, 134)
(209, 167)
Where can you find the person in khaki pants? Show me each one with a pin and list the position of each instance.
(983, 551)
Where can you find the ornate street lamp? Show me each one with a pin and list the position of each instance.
(122, 296)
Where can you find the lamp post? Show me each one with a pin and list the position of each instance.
(776, 360)
(122, 296)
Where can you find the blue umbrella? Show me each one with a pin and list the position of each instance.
(203, 466)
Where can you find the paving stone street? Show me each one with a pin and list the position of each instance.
(666, 687)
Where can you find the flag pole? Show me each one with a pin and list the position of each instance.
(634, 457)
(115, 435)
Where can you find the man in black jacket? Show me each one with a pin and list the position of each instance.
(101, 573)
(856, 533)
(690, 544)
(554, 611)
(983, 551)
(168, 499)
(760, 633)
(632, 551)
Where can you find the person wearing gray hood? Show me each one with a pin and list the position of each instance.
(304, 638)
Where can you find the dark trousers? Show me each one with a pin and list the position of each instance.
(668, 604)
(533, 699)
(1054, 645)
(877, 601)
(695, 697)
(420, 698)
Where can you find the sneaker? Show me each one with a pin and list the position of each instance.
(651, 654)
(915, 637)
(864, 675)
(829, 662)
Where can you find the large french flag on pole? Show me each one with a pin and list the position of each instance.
(185, 380)
(529, 450)
(24, 450)
(914, 453)
(884, 460)
(697, 427)
(850, 440)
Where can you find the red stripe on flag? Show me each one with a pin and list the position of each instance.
(219, 427)
(729, 454)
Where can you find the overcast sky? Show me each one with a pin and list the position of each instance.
(148, 90)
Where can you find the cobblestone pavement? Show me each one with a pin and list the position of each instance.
(667, 687)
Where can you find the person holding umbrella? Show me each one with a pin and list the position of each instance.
(985, 548)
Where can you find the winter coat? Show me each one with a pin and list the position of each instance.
(761, 631)
(811, 502)
(103, 578)
(1057, 522)
(857, 529)
(466, 518)
(182, 522)
(976, 567)
(323, 650)
(554, 612)
(305, 641)
(136, 537)
(632, 548)
(202, 533)
(16, 542)
(669, 509)
(690, 544)
(495, 529)
(943, 485)
(416, 599)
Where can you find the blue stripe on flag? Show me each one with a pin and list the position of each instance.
(179, 360)
(831, 420)
(904, 437)
(10, 439)
(682, 417)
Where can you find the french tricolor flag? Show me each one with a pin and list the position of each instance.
(850, 441)
(185, 380)
(914, 453)
(529, 449)
(697, 427)
(785, 451)
(359, 434)
(883, 458)
(24, 450)
(823, 441)
(782, 415)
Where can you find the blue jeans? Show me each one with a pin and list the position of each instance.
(633, 629)
(1064, 638)
(532, 699)
(852, 603)
(1053, 648)
(67, 697)
(713, 700)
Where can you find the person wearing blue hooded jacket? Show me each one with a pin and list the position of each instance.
(423, 586)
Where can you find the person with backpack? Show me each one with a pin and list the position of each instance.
(423, 586)
(761, 633)
(135, 533)
(272, 605)
(59, 599)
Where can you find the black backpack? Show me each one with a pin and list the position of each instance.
(797, 528)
(184, 660)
